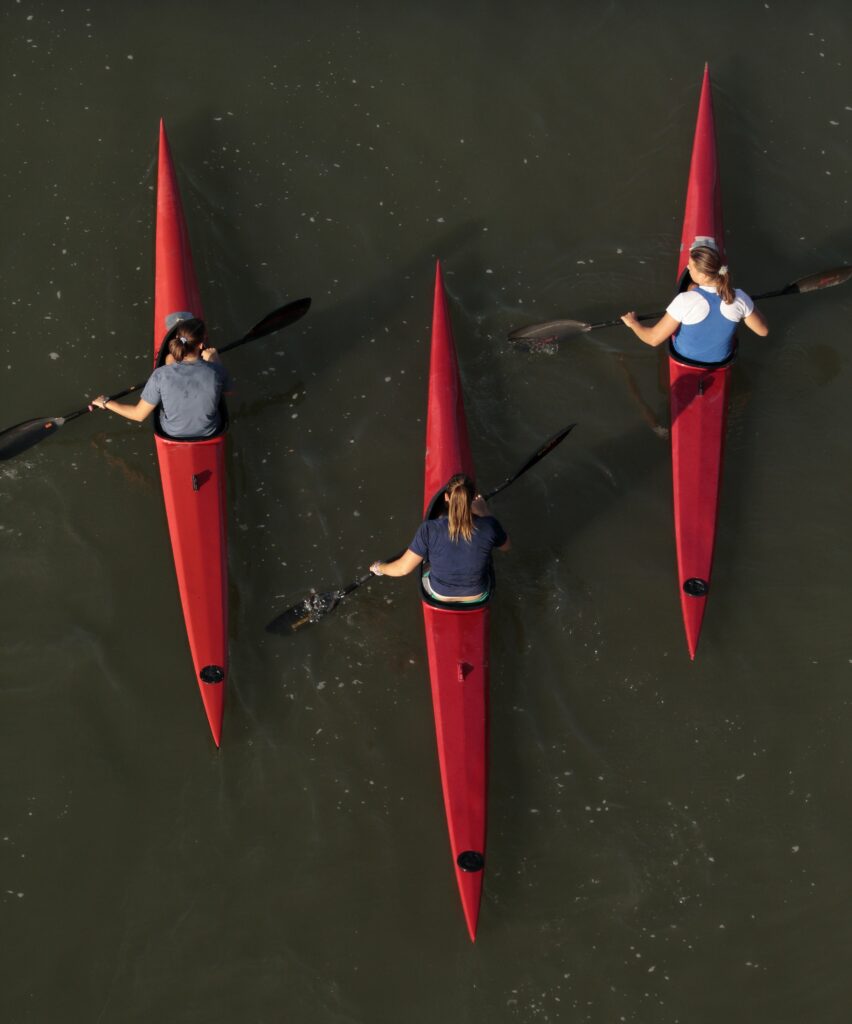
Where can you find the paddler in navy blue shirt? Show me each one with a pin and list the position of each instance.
(457, 547)
(703, 320)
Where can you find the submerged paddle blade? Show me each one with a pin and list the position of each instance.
(17, 439)
(311, 609)
(549, 333)
(550, 329)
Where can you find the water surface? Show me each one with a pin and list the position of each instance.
(668, 842)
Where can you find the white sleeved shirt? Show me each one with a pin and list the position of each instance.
(691, 307)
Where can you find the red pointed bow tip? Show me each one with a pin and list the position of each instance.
(470, 865)
(215, 716)
(470, 906)
(692, 636)
(471, 919)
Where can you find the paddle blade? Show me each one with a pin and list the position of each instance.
(311, 609)
(535, 458)
(540, 337)
(17, 439)
(550, 444)
(274, 321)
(827, 279)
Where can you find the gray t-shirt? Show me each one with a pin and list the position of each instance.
(188, 395)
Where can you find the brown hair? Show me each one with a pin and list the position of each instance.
(709, 262)
(461, 491)
(188, 339)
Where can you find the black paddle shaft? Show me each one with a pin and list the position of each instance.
(22, 436)
(557, 330)
(317, 605)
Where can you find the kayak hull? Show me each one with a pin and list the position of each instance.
(699, 405)
(457, 647)
(457, 639)
(698, 395)
(192, 472)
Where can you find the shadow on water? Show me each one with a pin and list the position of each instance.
(597, 480)
(381, 310)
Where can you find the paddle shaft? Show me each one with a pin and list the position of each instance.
(537, 456)
(17, 439)
(804, 285)
(272, 322)
(789, 289)
(316, 606)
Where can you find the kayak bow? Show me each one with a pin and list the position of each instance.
(457, 638)
(192, 472)
(698, 394)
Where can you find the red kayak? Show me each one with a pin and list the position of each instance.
(456, 637)
(192, 472)
(699, 394)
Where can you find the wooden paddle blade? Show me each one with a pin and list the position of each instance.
(827, 279)
(17, 439)
(550, 332)
(311, 609)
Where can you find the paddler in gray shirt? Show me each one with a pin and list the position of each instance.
(187, 388)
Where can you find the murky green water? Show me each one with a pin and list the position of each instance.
(669, 842)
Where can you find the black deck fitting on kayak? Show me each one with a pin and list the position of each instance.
(194, 481)
(470, 860)
(696, 587)
(211, 674)
(700, 385)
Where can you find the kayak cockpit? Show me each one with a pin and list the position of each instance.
(683, 285)
(435, 510)
(224, 418)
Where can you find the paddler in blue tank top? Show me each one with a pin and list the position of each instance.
(457, 547)
(703, 320)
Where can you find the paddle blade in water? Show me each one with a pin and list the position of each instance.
(310, 610)
(17, 439)
(541, 337)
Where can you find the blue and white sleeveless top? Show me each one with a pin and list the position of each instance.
(707, 324)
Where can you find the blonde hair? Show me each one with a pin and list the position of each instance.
(709, 262)
(461, 491)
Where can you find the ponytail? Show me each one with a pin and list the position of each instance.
(461, 491)
(709, 262)
(188, 339)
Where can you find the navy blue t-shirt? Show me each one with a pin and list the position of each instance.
(458, 568)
